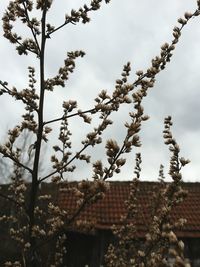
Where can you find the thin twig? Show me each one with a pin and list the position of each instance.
(65, 165)
(12, 200)
(32, 29)
(18, 162)
(18, 96)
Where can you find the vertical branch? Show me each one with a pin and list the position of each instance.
(34, 185)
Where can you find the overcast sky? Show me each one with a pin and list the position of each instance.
(128, 30)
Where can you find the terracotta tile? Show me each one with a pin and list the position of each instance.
(109, 210)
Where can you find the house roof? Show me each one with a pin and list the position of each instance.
(108, 211)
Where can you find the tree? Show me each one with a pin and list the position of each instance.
(33, 225)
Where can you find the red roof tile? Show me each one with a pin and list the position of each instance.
(109, 210)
